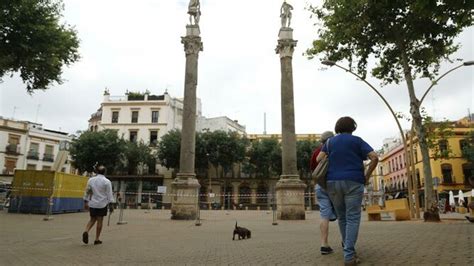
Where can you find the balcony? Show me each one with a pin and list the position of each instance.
(48, 157)
(33, 155)
(12, 149)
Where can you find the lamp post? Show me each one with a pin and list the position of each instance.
(411, 176)
(210, 183)
(332, 63)
(466, 63)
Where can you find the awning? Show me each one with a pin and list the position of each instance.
(466, 194)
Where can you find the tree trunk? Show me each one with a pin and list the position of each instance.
(421, 133)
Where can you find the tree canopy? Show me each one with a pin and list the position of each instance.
(304, 150)
(406, 39)
(384, 30)
(138, 158)
(264, 158)
(169, 149)
(34, 43)
(104, 147)
(468, 148)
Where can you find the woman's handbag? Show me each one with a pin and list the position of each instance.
(321, 170)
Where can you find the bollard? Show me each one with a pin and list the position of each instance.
(149, 204)
(274, 214)
(49, 210)
(198, 216)
(121, 221)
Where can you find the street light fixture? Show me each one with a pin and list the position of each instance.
(468, 63)
(402, 134)
(412, 174)
(328, 62)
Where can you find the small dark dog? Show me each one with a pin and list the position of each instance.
(242, 232)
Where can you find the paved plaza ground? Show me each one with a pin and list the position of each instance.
(153, 238)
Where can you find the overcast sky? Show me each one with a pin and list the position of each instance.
(136, 45)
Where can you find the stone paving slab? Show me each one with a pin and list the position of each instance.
(154, 239)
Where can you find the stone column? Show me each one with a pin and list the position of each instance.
(289, 189)
(253, 198)
(235, 193)
(139, 194)
(185, 188)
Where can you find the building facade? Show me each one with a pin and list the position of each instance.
(450, 172)
(146, 118)
(28, 145)
(454, 171)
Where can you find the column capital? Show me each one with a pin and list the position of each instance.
(286, 47)
(192, 44)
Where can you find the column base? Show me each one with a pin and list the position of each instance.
(185, 193)
(290, 198)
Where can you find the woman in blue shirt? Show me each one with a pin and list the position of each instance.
(346, 179)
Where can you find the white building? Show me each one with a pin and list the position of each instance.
(26, 145)
(139, 117)
(146, 117)
(219, 123)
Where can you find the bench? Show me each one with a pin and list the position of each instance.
(399, 207)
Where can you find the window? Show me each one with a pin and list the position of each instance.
(133, 136)
(46, 167)
(13, 139)
(463, 145)
(134, 116)
(13, 144)
(154, 116)
(31, 167)
(443, 146)
(33, 153)
(389, 167)
(115, 117)
(400, 161)
(10, 165)
(468, 171)
(153, 137)
(447, 173)
(396, 163)
(48, 153)
(418, 179)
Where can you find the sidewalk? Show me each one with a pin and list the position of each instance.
(154, 239)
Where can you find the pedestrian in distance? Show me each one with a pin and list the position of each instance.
(326, 209)
(97, 197)
(346, 180)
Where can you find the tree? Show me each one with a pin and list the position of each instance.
(222, 148)
(437, 136)
(104, 147)
(408, 39)
(265, 158)
(169, 149)
(304, 150)
(468, 149)
(35, 43)
(138, 158)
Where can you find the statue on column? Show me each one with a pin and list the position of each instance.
(194, 11)
(285, 15)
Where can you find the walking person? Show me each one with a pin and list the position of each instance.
(326, 210)
(96, 198)
(346, 179)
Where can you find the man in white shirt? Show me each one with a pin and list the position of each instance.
(96, 198)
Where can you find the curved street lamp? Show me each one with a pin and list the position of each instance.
(411, 175)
